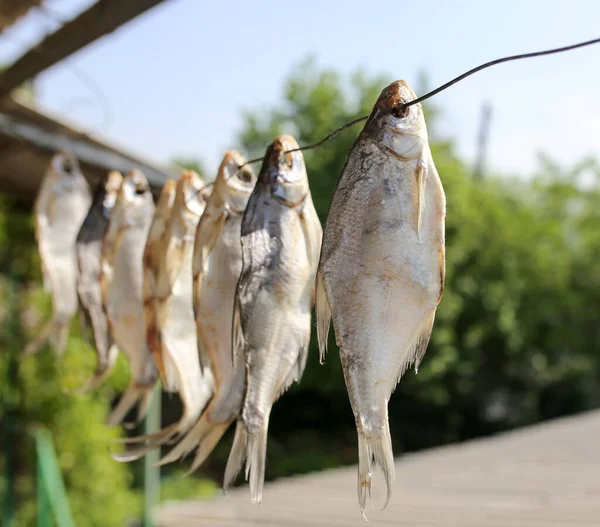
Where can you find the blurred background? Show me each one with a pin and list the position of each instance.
(516, 338)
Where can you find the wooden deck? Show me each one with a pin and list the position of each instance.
(542, 476)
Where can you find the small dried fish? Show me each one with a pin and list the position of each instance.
(60, 208)
(217, 263)
(381, 273)
(89, 250)
(281, 240)
(121, 282)
(155, 247)
(173, 338)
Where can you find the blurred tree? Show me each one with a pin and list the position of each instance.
(194, 164)
(98, 488)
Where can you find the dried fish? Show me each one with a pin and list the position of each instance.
(89, 250)
(121, 282)
(173, 337)
(381, 271)
(155, 247)
(281, 240)
(60, 208)
(217, 263)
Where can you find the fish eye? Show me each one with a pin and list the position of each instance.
(67, 166)
(400, 111)
(244, 176)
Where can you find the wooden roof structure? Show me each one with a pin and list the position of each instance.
(28, 136)
(12, 10)
(547, 475)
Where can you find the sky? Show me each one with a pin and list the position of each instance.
(177, 79)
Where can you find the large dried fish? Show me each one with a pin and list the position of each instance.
(217, 263)
(60, 208)
(89, 251)
(173, 337)
(121, 282)
(381, 272)
(281, 240)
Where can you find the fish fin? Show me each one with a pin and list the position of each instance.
(207, 233)
(379, 450)
(237, 456)
(421, 174)
(207, 445)
(256, 457)
(442, 258)
(128, 400)
(422, 340)
(323, 310)
(237, 335)
(203, 430)
(295, 374)
(312, 230)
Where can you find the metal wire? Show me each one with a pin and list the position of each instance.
(441, 88)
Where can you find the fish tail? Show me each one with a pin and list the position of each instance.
(56, 332)
(145, 400)
(237, 456)
(207, 444)
(156, 440)
(323, 310)
(374, 447)
(204, 435)
(256, 457)
(128, 400)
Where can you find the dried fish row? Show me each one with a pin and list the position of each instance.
(217, 262)
(171, 331)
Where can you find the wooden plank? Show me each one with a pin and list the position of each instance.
(104, 17)
(540, 476)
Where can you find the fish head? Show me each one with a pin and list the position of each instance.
(65, 170)
(192, 193)
(284, 172)
(112, 184)
(400, 130)
(135, 196)
(166, 198)
(235, 181)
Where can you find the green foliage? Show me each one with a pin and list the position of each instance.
(37, 393)
(516, 334)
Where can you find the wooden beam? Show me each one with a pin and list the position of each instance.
(85, 150)
(101, 19)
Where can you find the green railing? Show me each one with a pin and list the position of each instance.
(52, 499)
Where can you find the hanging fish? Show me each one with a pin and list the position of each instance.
(89, 248)
(281, 240)
(174, 340)
(381, 273)
(121, 282)
(155, 247)
(60, 208)
(217, 262)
